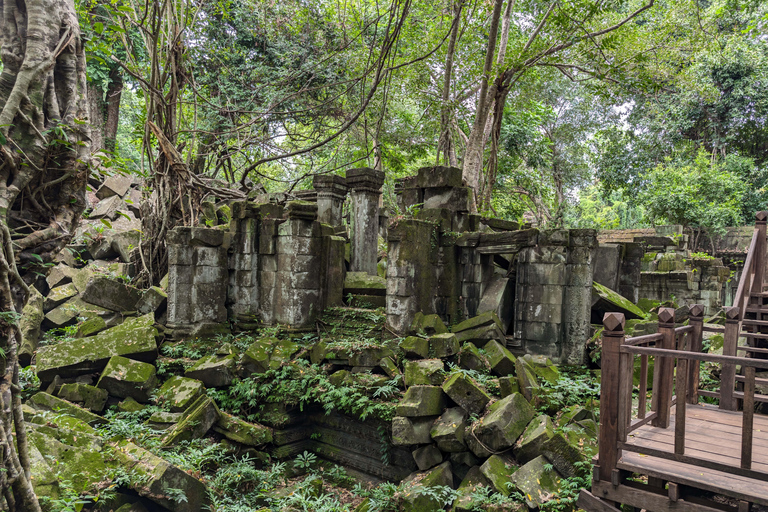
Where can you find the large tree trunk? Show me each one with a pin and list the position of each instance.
(445, 145)
(104, 112)
(43, 171)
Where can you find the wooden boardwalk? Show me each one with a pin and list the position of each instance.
(682, 455)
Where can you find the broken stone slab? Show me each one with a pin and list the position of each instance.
(388, 366)
(488, 318)
(537, 481)
(136, 337)
(526, 378)
(69, 312)
(163, 420)
(508, 385)
(468, 500)
(129, 405)
(448, 430)
(499, 297)
(180, 392)
(422, 401)
(501, 360)
(498, 471)
(282, 352)
(409, 431)
(59, 275)
(108, 208)
(415, 501)
(370, 356)
(562, 454)
(415, 346)
(605, 300)
(153, 300)
(466, 393)
(505, 421)
(91, 327)
(341, 378)
(480, 336)
(318, 351)
(59, 295)
(213, 371)
(538, 431)
(115, 185)
(443, 345)
(438, 177)
(196, 421)
(473, 443)
(110, 294)
(123, 242)
(470, 358)
(427, 457)
(29, 324)
(362, 283)
(157, 476)
(256, 357)
(126, 378)
(240, 431)
(424, 372)
(90, 397)
(46, 402)
(428, 324)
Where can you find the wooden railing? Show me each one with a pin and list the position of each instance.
(676, 352)
(752, 275)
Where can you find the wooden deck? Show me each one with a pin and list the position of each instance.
(713, 435)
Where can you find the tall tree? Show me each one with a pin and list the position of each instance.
(43, 169)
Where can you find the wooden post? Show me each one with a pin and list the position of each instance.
(760, 252)
(747, 425)
(665, 366)
(613, 339)
(695, 320)
(728, 373)
(681, 391)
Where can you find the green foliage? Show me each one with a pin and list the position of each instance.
(577, 385)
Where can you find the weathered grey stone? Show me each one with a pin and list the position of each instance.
(240, 431)
(438, 177)
(422, 401)
(499, 297)
(388, 366)
(448, 430)
(498, 471)
(505, 421)
(47, 402)
(123, 242)
(197, 419)
(501, 360)
(135, 338)
(115, 185)
(90, 397)
(466, 393)
(470, 358)
(152, 300)
(414, 501)
(180, 392)
(429, 325)
(474, 444)
(156, 476)
(409, 431)
(108, 208)
(365, 191)
(605, 300)
(59, 275)
(480, 336)
(482, 320)
(443, 345)
(124, 378)
(370, 356)
(364, 284)
(562, 454)
(427, 457)
(424, 372)
(526, 378)
(538, 431)
(537, 481)
(91, 327)
(31, 320)
(415, 346)
(213, 371)
(256, 357)
(472, 482)
(129, 405)
(59, 295)
(110, 294)
(508, 385)
(163, 420)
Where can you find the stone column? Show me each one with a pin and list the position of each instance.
(577, 299)
(331, 193)
(243, 290)
(365, 185)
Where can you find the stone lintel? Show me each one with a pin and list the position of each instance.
(365, 179)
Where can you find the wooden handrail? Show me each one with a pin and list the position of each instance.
(746, 274)
(697, 356)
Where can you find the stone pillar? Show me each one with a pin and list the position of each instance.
(243, 290)
(365, 185)
(577, 297)
(270, 216)
(331, 193)
(197, 281)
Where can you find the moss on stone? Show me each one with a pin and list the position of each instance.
(179, 392)
(614, 298)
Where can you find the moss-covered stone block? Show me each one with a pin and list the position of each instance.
(498, 471)
(538, 431)
(241, 431)
(481, 320)
(282, 352)
(129, 405)
(256, 357)
(427, 457)
(414, 501)
(470, 358)
(318, 352)
(410, 431)
(605, 300)
(196, 421)
(563, 454)
(341, 378)
(163, 420)
(213, 371)
(90, 397)
(46, 402)
(424, 372)
(505, 421)
(537, 481)
(123, 378)
(448, 430)
(508, 385)
(422, 401)
(468, 499)
(388, 366)
(415, 346)
(501, 360)
(180, 392)
(364, 284)
(30, 323)
(91, 327)
(157, 476)
(526, 378)
(443, 345)
(428, 324)
(135, 338)
(370, 356)
(59, 295)
(481, 335)
(153, 300)
(466, 393)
